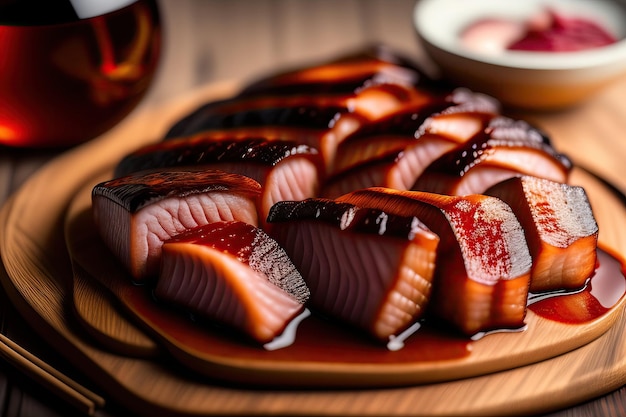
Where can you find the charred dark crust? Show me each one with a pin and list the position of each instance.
(198, 151)
(346, 216)
(136, 191)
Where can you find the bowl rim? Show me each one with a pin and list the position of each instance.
(428, 31)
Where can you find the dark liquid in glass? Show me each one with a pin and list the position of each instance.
(66, 79)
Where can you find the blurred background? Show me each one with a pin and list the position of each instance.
(217, 40)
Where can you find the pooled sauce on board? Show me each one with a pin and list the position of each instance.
(602, 292)
(321, 340)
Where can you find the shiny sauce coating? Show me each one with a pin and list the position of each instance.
(321, 340)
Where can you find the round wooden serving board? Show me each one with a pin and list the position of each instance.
(65, 301)
(324, 355)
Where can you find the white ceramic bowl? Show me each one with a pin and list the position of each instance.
(530, 80)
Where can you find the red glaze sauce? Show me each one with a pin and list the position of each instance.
(317, 339)
(546, 32)
(603, 291)
(320, 340)
(557, 33)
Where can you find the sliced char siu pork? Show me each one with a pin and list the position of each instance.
(324, 102)
(482, 275)
(466, 115)
(135, 214)
(456, 116)
(560, 228)
(327, 119)
(364, 267)
(285, 170)
(394, 152)
(507, 148)
(347, 73)
(234, 274)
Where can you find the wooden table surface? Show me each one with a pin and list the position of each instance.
(209, 41)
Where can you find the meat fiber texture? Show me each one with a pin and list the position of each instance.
(483, 262)
(286, 170)
(135, 214)
(367, 268)
(560, 228)
(234, 274)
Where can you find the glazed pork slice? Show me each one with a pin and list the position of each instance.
(279, 133)
(367, 268)
(346, 73)
(467, 114)
(507, 148)
(314, 122)
(560, 227)
(454, 116)
(482, 274)
(234, 274)
(327, 118)
(307, 88)
(332, 78)
(286, 170)
(394, 152)
(397, 169)
(327, 101)
(135, 214)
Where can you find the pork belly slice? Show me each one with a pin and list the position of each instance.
(135, 214)
(332, 116)
(467, 114)
(398, 170)
(319, 125)
(367, 268)
(507, 148)
(395, 151)
(306, 137)
(241, 113)
(369, 102)
(561, 230)
(456, 116)
(344, 74)
(303, 136)
(388, 135)
(286, 170)
(234, 274)
(482, 274)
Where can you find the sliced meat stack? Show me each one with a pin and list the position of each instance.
(374, 65)
(506, 148)
(318, 105)
(321, 121)
(389, 196)
(394, 151)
